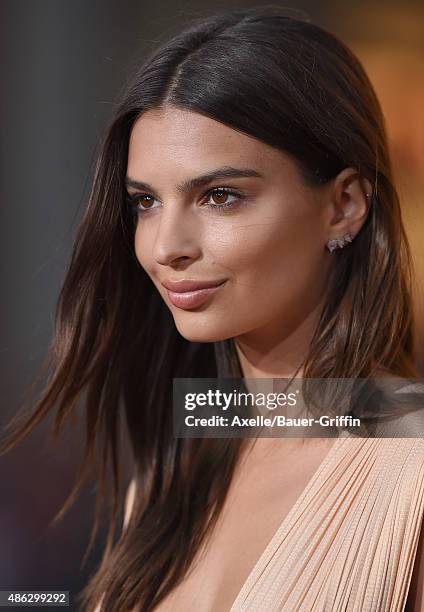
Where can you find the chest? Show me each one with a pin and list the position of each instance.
(262, 494)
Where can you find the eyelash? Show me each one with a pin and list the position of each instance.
(133, 200)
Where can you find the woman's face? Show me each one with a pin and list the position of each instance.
(267, 245)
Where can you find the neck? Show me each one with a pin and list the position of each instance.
(279, 351)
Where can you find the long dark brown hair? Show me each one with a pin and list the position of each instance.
(116, 350)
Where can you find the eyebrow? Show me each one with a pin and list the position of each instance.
(202, 180)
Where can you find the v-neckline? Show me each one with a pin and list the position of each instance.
(269, 549)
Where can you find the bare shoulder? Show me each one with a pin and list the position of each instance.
(129, 502)
(415, 600)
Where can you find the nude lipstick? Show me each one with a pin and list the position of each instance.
(188, 294)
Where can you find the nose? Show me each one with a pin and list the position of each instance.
(177, 236)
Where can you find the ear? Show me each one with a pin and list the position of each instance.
(350, 201)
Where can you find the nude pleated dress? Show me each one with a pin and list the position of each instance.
(349, 542)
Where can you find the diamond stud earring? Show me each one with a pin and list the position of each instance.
(338, 243)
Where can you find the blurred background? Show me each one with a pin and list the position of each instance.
(63, 65)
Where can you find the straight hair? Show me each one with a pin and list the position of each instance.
(295, 87)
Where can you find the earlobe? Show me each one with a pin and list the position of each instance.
(352, 196)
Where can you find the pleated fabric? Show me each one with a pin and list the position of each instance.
(349, 542)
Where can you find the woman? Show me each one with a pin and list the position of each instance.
(249, 154)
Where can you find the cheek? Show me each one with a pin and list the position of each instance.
(269, 254)
(143, 248)
(276, 271)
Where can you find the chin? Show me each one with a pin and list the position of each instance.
(202, 332)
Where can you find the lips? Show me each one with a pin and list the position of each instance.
(184, 285)
(188, 294)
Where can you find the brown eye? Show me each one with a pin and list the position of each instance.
(146, 203)
(222, 199)
(219, 196)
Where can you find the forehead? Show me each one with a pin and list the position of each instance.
(175, 137)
